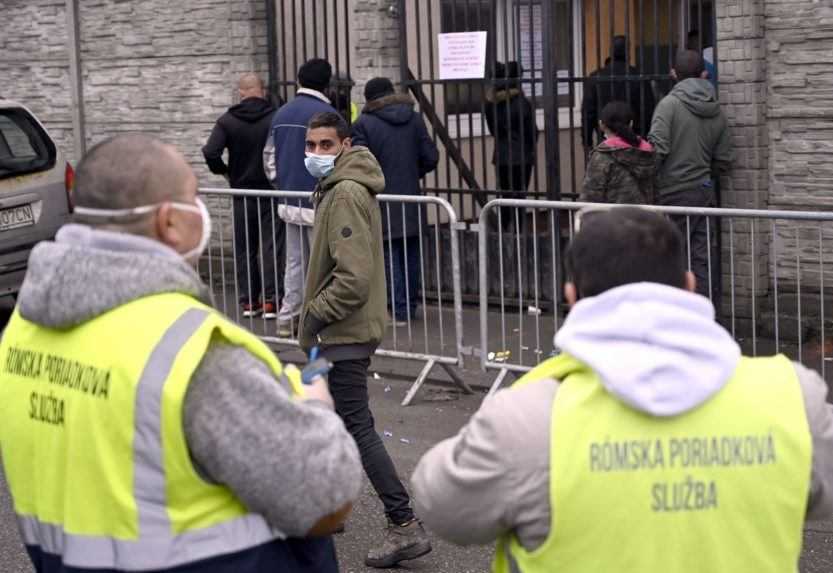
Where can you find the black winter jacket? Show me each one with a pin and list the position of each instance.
(397, 136)
(511, 120)
(243, 130)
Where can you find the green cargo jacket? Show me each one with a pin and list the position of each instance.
(345, 295)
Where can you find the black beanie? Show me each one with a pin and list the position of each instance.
(378, 87)
(315, 74)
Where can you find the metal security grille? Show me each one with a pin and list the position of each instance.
(304, 29)
(526, 127)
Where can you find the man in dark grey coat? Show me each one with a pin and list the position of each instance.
(397, 136)
(690, 134)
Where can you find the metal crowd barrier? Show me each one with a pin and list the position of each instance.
(765, 272)
(245, 265)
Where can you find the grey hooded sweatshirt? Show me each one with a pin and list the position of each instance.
(690, 134)
(291, 461)
(658, 349)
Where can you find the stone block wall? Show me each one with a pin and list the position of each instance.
(799, 46)
(376, 43)
(34, 63)
(742, 65)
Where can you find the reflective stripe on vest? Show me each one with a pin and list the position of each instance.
(159, 542)
(723, 487)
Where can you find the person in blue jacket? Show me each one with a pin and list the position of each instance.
(397, 136)
(285, 153)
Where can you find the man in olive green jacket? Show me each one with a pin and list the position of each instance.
(345, 312)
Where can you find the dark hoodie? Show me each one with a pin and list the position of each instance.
(620, 173)
(243, 130)
(396, 135)
(345, 295)
(691, 136)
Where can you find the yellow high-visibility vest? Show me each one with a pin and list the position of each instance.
(92, 437)
(723, 487)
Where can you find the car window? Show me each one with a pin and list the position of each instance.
(24, 146)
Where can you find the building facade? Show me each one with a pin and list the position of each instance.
(93, 68)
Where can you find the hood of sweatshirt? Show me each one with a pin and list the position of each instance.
(252, 110)
(656, 348)
(638, 161)
(396, 109)
(359, 165)
(85, 273)
(698, 96)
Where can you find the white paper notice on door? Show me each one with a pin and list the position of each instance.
(462, 56)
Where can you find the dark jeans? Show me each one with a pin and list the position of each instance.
(348, 385)
(513, 182)
(398, 257)
(699, 235)
(255, 258)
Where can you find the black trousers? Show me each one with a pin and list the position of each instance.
(513, 182)
(259, 237)
(348, 385)
(699, 235)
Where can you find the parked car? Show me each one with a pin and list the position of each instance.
(35, 190)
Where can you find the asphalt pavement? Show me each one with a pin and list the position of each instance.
(438, 412)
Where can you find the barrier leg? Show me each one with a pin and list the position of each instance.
(423, 376)
(498, 381)
(456, 378)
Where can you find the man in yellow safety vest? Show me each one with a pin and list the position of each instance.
(142, 431)
(649, 444)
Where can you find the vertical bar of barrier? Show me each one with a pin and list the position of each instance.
(821, 302)
(483, 269)
(422, 279)
(775, 277)
(407, 276)
(223, 268)
(754, 288)
(732, 270)
(798, 286)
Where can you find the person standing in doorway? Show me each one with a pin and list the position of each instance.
(258, 232)
(344, 312)
(288, 135)
(690, 133)
(396, 135)
(616, 81)
(510, 118)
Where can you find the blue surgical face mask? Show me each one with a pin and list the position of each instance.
(320, 166)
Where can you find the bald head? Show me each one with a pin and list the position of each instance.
(132, 170)
(250, 85)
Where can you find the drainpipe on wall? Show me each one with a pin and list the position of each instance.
(75, 79)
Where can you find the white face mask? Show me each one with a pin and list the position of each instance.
(320, 166)
(191, 256)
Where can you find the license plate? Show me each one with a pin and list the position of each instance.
(16, 217)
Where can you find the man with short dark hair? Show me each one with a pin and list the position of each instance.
(616, 81)
(258, 231)
(649, 443)
(344, 311)
(286, 169)
(690, 134)
(154, 434)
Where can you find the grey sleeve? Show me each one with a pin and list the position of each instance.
(660, 135)
(493, 476)
(291, 461)
(820, 418)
